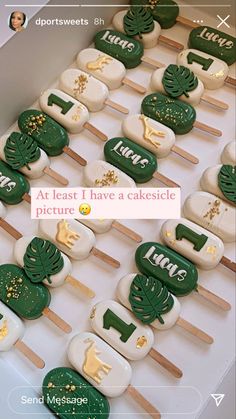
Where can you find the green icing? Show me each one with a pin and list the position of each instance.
(179, 80)
(138, 20)
(131, 158)
(41, 260)
(214, 42)
(70, 396)
(17, 291)
(119, 46)
(49, 135)
(173, 113)
(184, 232)
(110, 319)
(227, 182)
(195, 58)
(149, 299)
(20, 150)
(165, 12)
(56, 100)
(13, 185)
(178, 274)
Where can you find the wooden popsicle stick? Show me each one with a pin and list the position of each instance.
(231, 81)
(187, 156)
(82, 288)
(53, 317)
(163, 179)
(10, 229)
(116, 106)
(195, 331)
(187, 22)
(171, 43)
(137, 87)
(29, 354)
(127, 231)
(165, 363)
(71, 153)
(151, 61)
(215, 102)
(228, 263)
(56, 176)
(207, 128)
(144, 403)
(105, 258)
(213, 298)
(27, 198)
(95, 131)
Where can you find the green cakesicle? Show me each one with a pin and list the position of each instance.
(119, 46)
(165, 12)
(84, 401)
(175, 114)
(49, 135)
(28, 300)
(131, 158)
(213, 42)
(178, 274)
(13, 185)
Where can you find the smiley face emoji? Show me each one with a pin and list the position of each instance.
(84, 209)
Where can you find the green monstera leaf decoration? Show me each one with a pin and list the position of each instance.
(41, 260)
(20, 150)
(227, 182)
(179, 80)
(137, 21)
(149, 299)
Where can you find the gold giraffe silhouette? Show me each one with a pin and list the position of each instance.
(92, 365)
(149, 131)
(99, 63)
(65, 235)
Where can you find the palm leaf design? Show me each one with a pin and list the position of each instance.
(41, 260)
(179, 80)
(227, 182)
(137, 21)
(20, 150)
(149, 299)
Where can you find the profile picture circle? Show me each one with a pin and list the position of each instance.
(17, 21)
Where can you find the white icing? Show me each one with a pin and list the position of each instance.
(2, 211)
(149, 40)
(74, 119)
(56, 280)
(93, 93)
(208, 257)
(228, 155)
(112, 336)
(112, 72)
(98, 168)
(194, 96)
(198, 204)
(212, 78)
(14, 328)
(98, 226)
(37, 167)
(170, 318)
(81, 245)
(209, 181)
(134, 128)
(116, 381)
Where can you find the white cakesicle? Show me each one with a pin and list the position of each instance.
(194, 96)
(169, 319)
(99, 173)
(149, 40)
(85, 88)
(209, 255)
(69, 236)
(102, 66)
(213, 77)
(149, 133)
(212, 213)
(99, 364)
(228, 155)
(3, 211)
(98, 226)
(56, 280)
(209, 181)
(11, 328)
(120, 329)
(66, 110)
(36, 168)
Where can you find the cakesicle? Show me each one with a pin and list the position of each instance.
(13, 185)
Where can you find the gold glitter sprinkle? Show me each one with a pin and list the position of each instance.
(51, 385)
(108, 179)
(141, 342)
(168, 234)
(153, 3)
(214, 210)
(218, 75)
(211, 250)
(93, 312)
(73, 388)
(76, 116)
(33, 123)
(99, 63)
(4, 330)
(80, 84)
